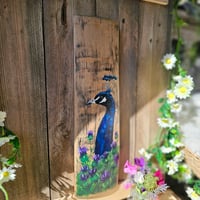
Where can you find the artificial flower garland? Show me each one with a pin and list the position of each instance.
(8, 165)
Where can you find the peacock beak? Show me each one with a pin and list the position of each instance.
(91, 101)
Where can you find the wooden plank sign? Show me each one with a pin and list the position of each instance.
(96, 49)
(161, 2)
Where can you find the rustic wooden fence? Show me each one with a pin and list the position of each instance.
(37, 86)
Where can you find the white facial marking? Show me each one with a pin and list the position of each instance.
(103, 100)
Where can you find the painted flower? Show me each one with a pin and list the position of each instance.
(169, 61)
(172, 166)
(127, 185)
(7, 174)
(130, 169)
(113, 145)
(84, 168)
(166, 122)
(176, 107)
(167, 149)
(192, 194)
(105, 175)
(144, 153)
(171, 97)
(140, 162)
(176, 143)
(84, 177)
(139, 177)
(90, 135)
(83, 151)
(179, 157)
(2, 118)
(182, 91)
(159, 175)
(4, 140)
(96, 157)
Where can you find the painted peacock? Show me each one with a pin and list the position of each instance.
(104, 136)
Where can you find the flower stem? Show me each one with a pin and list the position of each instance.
(4, 192)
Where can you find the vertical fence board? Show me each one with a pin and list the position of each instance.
(84, 7)
(23, 93)
(107, 9)
(96, 48)
(59, 71)
(128, 19)
(152, 79)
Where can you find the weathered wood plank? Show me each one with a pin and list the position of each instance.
(128, 19)
(96, 47)
(58, 30)
(23, 93)
(84, 7)
(152, 78)
(161, 2)
(107, 9)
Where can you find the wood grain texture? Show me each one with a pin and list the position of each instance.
(22, 88)
(161, 2)
(128, 19)
(96, 48)
(84, 7)
(107, 9)
(152, 78)
(58, 30)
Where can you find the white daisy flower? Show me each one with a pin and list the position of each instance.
(182, 91)
(192, 194)
(187, 81)
(4, 140)
(171, 97)
(172, 166)
(2, 118)
(7, 174)
(179, 157)
(177, 78)
(166, 123)
(167, 149)
(187, 175)
(144, 153)
(176, 143)
(169, 61)
(176, 107)
(139, 177)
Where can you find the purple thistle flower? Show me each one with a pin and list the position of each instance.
(116, 158)
(90, 135)
(84, 177)
(92, 171)
(113, 145)
(140, 162)
(104, 155)
(105, 175)
(82, 151)
(84, 168)
(96, 158)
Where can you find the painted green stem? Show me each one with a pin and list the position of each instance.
(4, 192)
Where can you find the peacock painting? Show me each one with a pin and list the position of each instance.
(99, 163)
(104, 137)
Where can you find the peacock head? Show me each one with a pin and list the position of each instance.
(102, 98)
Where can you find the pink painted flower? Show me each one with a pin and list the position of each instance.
(160, 177)
(130, 169)
(127, 185)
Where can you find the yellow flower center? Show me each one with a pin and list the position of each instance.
(165, 120)
(6, 174)
(194, 194)
(168, 61)
(186, 81)
(176, 106)
(171, 96)
(183, 89)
